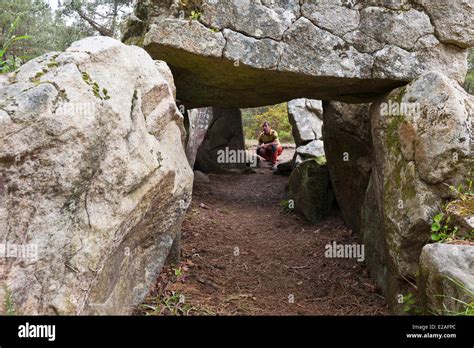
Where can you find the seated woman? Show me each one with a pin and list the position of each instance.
(269, 145)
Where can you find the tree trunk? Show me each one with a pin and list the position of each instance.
(114, 18)
(102, 30)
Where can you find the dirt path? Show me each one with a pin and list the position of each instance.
(241, 255)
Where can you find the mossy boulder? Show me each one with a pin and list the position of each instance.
(421, 145)
(310, 189)
(348, 147)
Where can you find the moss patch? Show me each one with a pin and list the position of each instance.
(37, 77)
(393, 135)
(53, 64)
(463, 208)
(103, 95)
(321, 160)
(91, 160)
(9, 305)
(136, 40)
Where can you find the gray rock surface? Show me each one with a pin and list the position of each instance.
(348, 149)
(311, 150)
(391, 163)
(93, 176)
(421, 144)
(450, 19)
(223, 139)
(446, 278)
(306, 119)
(197, 123)
(242, 53)
(310, 190)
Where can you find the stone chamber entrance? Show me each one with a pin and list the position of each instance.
(100, 143)
(245, 249)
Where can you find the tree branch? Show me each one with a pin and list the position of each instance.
(102, 30)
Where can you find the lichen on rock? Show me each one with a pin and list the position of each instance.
(284, 50)
(93, 161)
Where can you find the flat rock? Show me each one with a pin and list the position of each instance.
(446, 278)
(242, 53)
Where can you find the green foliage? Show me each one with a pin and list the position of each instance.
(195, 15)
(178, 272)
(288, 206)
(469, 236)
(53, 64)
(168, 301)
(30, 28)
(173, 303)
(10, 62)
(463, 192)
(98, 16)
(467, 307)
(441, 230)
(8, 302)
(95, 87)
(409, 304)
(321, 160)
(276, 115)
(105, 93)
(170, 305)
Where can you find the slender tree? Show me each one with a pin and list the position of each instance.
(46, 31)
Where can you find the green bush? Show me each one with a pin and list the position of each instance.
(276, 115)
(9, 62)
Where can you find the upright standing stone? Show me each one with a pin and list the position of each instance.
(197, 123)
(224, 134)
(422, 145)
(348, 148)
(94, 179)
(310, 189)
(306, 119)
